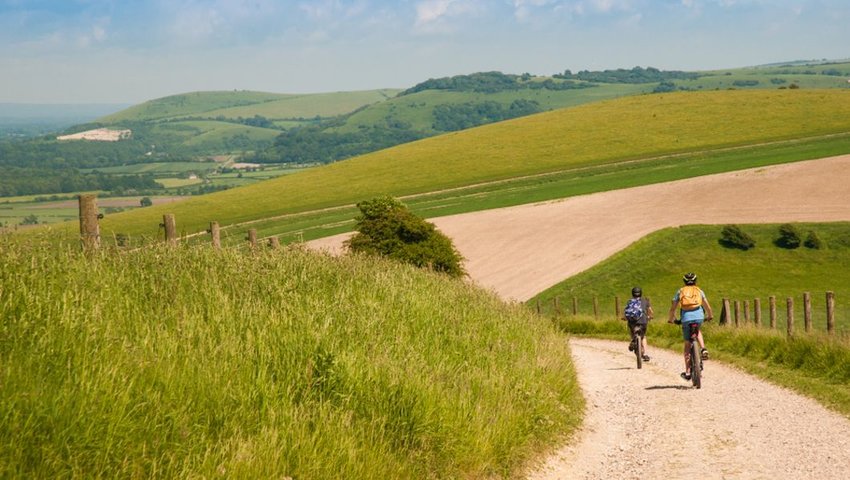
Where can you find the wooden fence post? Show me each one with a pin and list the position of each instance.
(757, 311)
(789, 312)
(274, 243)
(746, 311)
(89, 227)
(575, 306)
(538, 306)
(556, 304)
(807, 311)
(772, 301)
(830, 312)
(737, 312)
(596, 307)
(616, 307)
(725, 313)
(170, 225)
(215, 231)
(252, 239)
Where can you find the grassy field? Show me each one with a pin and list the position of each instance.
(194, 363)
(576, 138)
(417, 108)
(658, 261)
(813, 365)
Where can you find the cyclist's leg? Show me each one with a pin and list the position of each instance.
(643, 338)
(686, 350)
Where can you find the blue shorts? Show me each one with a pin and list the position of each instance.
(686, 329)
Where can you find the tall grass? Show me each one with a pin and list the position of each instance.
(191, 362)
(814, 365)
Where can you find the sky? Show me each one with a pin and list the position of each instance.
(130, 51)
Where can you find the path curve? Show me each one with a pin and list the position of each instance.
(747, 429)
(520, 251)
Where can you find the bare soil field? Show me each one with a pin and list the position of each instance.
(520, 251)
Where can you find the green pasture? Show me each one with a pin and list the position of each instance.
(178, 182)
(308, 106)
(195, 103)
(158, 168)
(417, 108)
(692, 125)
(658, 261)
(194, 363)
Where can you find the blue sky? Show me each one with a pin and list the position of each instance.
(128, 51)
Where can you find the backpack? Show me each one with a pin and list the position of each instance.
(690, 297)
(634, 310)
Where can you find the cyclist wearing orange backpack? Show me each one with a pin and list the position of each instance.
(694, 308)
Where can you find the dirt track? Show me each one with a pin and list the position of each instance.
(749, 429)
(520, 251)
(746, 428)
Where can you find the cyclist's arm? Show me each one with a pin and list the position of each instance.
(672, 314)
(709, 314)
(649, 313)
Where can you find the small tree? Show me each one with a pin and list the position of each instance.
(813, 241)
(146, 202)
(388, 228)
(789, 236)
(733, 237)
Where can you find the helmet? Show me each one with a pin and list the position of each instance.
(636, 292)
(690, 278)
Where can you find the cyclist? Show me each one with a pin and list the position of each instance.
(638, 317)
(694, 308)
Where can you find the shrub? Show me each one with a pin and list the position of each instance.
(813, 241)
(789, 236)
(733, 237)
(387, 227)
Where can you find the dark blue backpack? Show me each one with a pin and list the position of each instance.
(634, 310)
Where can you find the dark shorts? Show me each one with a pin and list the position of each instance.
(642, 330)
(686, 329)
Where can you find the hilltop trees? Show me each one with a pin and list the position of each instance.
(388, 228)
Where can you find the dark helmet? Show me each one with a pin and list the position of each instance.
(690, 278)
(636, 292)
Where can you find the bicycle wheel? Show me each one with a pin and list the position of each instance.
(639, 352)
(696, 365)
(638, 346)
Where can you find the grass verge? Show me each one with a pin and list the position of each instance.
(213, 364)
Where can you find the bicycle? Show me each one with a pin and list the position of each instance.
(694, 354)
(638, 344)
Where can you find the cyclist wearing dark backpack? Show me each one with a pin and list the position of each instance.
(694, 309)
(638, 311)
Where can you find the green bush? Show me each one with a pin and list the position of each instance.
(789, 236)
(388, 228)
(733, 237)
(813, 241)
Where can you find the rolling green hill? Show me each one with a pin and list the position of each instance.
(572, 139)
(657, 263)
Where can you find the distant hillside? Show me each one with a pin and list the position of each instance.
(635, 127)
(202, 134)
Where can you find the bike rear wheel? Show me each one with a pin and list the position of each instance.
(696, 365)
(638, 347)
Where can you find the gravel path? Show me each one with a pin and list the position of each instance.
(747, 429)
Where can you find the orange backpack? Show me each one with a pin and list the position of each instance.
(690, 297)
